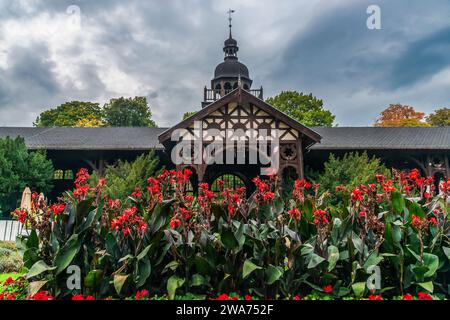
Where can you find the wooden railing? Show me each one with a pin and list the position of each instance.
(211, 95)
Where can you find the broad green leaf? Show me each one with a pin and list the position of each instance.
(173, 284)
(432, 262)
(249, 267)
(333, 257)
(38, 268)
(446, 252)
(273, 274)
(198, 280)
(357, 242)
(66, 254)
(229, 240)
(93, 278)
(358, 288)
(144, 252)
(119, 281)
(314, 260)
(427, 286)
(398, 202)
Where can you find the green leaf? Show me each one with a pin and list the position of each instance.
(119, 281)
(398, 202)
(229, 240)
(432, 262)
(314, 260)
(273, 274)
(93, 278)
(358, 288)
(65, 255)
(173, 284)
(198, 280)
(143, 271)
(38, 268)
(357, 242)
(144, 252)
(446, 252)
(333, 257)
(249, 267)
(427, 286)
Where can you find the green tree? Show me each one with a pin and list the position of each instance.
(440, 118)
(124, 176)
(304, 108)
(128, 112)
(351, 170)
(69, 114)
(20, 168)
(188, 114)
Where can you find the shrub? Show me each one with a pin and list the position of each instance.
(167, 241)
(351, 170)
(124, 177)
(10, 259)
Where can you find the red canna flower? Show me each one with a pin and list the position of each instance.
(375, 297)
(408, 297)
(328, 289)
(175, 223)
(294, 214)
(320, 217)
(424, 296)
(8, 281)
(140, 295)
(248, 297)
(57, 208)
(78, 297)
(297, 298)
(433, 221)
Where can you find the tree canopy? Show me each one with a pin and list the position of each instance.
(120, 112)
(19, 169)
(439, 118)
(397, 115)
(128, 112)
(69, 114)
(305, 108)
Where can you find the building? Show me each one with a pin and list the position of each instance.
(232, 104)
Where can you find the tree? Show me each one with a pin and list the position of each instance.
(188, 114)
(128, 112)
(397, 115)
(351, 170)
(124, 176)
(20, 168)
(69, 114)
(304, 108)
(440, 118)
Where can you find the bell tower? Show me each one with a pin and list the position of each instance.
(230, 73)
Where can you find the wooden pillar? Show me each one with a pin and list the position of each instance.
(447, 166)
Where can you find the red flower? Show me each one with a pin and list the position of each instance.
(248, 297)
(433, 221)
(175, 223)
(78, 297)
(340, 188)
(424, 296)
(57, 208)
(141, 294)
(362, 214)
(294, 214)
(269, 196)
(8, 281)
(375, 297)
(416, 221)
(90, 297)
(320, 217)
(328, 289)
(20, 214)
(137, 193)
(42, 295)
(408, 297)
(297, 298)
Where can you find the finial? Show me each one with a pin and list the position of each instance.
(230, 11)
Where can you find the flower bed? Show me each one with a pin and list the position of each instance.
(387, 240)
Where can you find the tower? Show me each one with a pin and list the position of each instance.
(230, 73)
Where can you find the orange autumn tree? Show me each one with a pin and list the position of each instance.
(397, 115)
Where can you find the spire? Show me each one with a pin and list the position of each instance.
(230, 11)
(230, 45)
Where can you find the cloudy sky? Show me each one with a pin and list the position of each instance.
(54, 51)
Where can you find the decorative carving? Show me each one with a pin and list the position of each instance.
(288, 152)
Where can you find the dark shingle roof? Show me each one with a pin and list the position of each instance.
(372, 138)
(121, 138)
(108, 138)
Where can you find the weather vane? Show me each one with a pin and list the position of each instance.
(230, 11)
